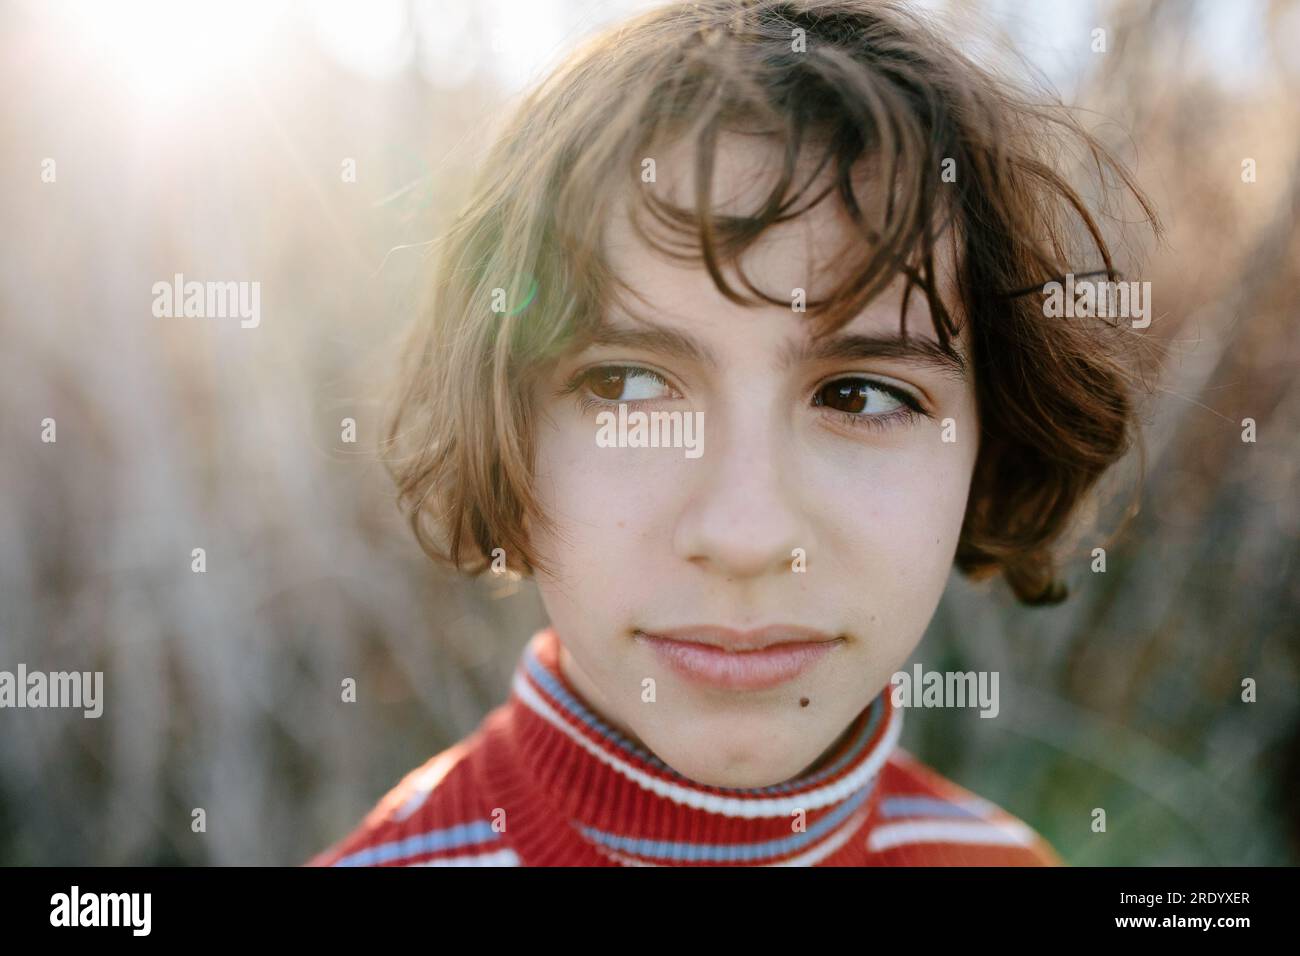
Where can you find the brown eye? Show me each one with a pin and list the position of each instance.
(846, 395)
(623, 383)
(607, 383)
(856, 396)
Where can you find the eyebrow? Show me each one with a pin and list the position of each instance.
(842, 347)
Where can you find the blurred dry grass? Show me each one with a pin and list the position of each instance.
(223, 688)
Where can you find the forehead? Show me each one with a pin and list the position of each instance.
(805, 252)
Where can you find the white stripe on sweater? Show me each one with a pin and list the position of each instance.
(428, 781)
(996, 833)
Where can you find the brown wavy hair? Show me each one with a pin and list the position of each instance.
(850, 82)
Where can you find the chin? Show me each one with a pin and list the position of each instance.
(749, 775)
(734, 764)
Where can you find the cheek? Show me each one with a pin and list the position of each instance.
(917, 503)
(608, 506)
(895, 517)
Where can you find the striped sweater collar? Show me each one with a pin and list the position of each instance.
(631, 808)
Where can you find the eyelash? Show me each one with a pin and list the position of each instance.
(910, 410)
(587, 403)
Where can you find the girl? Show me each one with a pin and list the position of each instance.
(824, 232)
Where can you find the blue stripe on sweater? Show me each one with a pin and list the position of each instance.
(728, 852)
(924, 807)
(448, 838)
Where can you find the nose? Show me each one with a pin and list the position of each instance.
(741, 516)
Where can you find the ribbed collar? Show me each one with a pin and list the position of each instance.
(588, 794)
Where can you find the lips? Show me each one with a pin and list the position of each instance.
(740, 660)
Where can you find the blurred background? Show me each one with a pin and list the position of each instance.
(141, 140)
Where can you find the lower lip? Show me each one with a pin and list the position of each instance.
(739, 670)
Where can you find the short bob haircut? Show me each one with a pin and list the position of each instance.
(858, 81)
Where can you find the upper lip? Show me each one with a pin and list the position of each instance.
(730, 639)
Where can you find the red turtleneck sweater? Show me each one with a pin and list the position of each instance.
(545, 781)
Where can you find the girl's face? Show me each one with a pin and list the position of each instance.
(818, 517)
